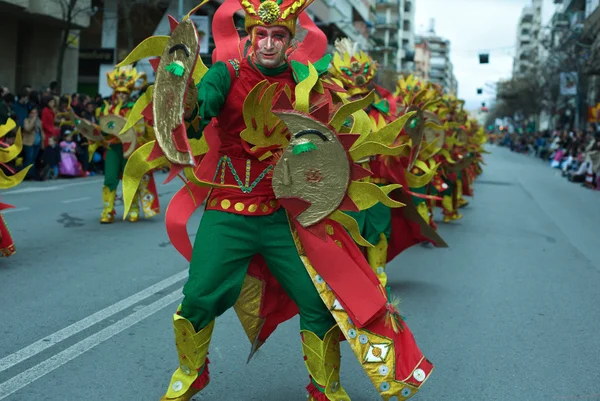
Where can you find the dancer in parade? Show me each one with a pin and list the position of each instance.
(120, 141)
(261, 137)
(9, 179)
(390, 230)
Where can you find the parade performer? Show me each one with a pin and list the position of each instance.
(412, 93)
(262, 129)
(112, 119)
(390, 230)
(445, 181)
(9, 179)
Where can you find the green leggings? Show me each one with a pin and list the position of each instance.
(224, 245)
(114, 164)
(373, 222)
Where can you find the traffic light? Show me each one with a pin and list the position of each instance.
(484, 58)
(479, 91)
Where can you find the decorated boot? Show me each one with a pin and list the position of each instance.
(377, 258)
(134, 211)
(450, 214)
(322, 358)
(192, 375)
(108, 213)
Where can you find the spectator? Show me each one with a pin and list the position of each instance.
(68, 165)
(6, 107)
(51, 159)
(48, 119)
(33, 139)
(21, 108)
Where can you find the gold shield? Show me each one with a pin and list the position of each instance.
(112, 124)
(181, 53)
(314, 168)
(431, 134)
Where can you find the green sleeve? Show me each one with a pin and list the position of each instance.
(212, 92)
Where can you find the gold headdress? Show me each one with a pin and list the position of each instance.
(123, 79)
(353, 67)
(273, 13)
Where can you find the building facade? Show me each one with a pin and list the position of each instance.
(434, 61)
(32, 33)
(528, 38)
(394, 35)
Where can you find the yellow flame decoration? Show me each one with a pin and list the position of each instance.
(10, 153)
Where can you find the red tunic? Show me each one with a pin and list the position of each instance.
(237, 166)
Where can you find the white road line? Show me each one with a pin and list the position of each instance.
(57, 187)
(15, 210)
(76, 200)
(32, 374)
(49, 341)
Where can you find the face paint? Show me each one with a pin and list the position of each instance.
(122, 97)
(269, 45)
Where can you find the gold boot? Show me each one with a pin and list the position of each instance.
(322, 359)
(423, 210)
(108, 213)
(134, 210)
(377, 258)
(192, 374)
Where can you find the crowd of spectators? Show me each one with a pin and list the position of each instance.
(575, 153)
(49, 137)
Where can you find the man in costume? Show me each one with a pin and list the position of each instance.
(112, 120)
(7, 154)
(261, 143)
(390, 230)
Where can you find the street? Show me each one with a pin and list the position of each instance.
(508, 312)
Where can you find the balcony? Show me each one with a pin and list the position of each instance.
(382, 23)
(387, 3)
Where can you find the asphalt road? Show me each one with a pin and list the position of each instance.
(509, 312)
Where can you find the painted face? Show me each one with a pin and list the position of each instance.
(122, 97)
(270, 44)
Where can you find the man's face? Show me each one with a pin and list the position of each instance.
(270, 44)
(122, 97)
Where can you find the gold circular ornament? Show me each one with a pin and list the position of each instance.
(252, 208)
(434, 135)
(314, 168)
(112, 124)
(239, 207)
(269, 12)
(225, 204)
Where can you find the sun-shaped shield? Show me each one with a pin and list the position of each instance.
(112, 124)
(314, 170)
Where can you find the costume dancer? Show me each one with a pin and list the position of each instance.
(262, 129)
(9, 179)
(390, 230)
(112, 121)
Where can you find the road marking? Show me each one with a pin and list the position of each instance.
(52, 187)
(53, 339)
(76, 200)
(32, 374)
(18, 209)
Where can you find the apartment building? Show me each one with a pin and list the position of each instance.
(394, 35)
(31, 39)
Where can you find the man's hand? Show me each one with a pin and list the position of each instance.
(191, 99)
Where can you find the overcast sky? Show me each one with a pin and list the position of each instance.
(473, 26)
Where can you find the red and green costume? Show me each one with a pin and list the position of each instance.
(252, 250)
(9, 179)
(390, 230)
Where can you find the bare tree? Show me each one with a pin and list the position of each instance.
(130, 17)
(70, 10)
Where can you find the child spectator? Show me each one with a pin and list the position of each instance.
(51, 159)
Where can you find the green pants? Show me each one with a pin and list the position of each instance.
(373, 222)
(114, 164)
(224, 245)
(423, 191)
